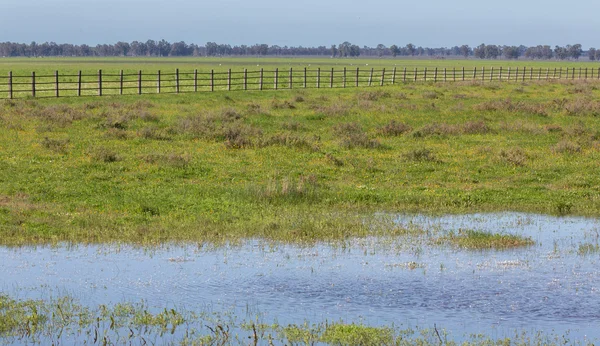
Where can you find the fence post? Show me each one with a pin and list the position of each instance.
(382, 77)
(492, 74)
(517, 75)
(357, 76)
(212, 80)
(245, 79)
(598, 72)
(177, 80)
(524, 73)
(394, 76)
(483, 74)
(463, 73)
(331, 79)
(318, 78)
(56, 83)
(229, 80)
(586, 73)
(425, 75)
(573, 74)
(121, 83)
(404, 75)
(500, 76)
(371, 76)
(291, 78)
(304, 78)
(435, 75)
(416, 73)
(275, 78)
(260, 80)
(33, 83)
(195, 80)
(158, 82)
(10, 85)
(554, 75)
(344, 78)
(99, 82)
(531, 73)
(539, 73)
(445, 80)
(560, 73)
(139, 82)
(579, 77)
(79, 83)
(474, 73)
(454, 74)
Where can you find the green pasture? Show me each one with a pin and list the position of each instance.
(288, 165)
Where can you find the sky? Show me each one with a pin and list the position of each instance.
(427, 23)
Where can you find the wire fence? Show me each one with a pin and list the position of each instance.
(14, 86)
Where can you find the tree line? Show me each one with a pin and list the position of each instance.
(163, 48)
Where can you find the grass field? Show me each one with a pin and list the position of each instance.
(293, 165)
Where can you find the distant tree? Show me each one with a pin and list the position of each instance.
(411, 49)
(575, 51)
(354, 50)
(334, 51)
(511, 52)
(465, 50)
(121, 48)
(163, 47)
(381, 50)
(592, 54)
(492, 51)
(561, 53)
(394, 50)
(479, 51)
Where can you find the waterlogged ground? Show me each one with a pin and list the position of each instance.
(409, 282)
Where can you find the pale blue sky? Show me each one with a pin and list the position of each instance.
(433, 23)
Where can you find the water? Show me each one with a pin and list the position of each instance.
(408, 282)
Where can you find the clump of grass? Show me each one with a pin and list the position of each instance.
(335, 110)
(56, 145)
(287, 140)
(148, 117)
(475, 127)
(117, 133)
(508, 105)
(394, 128)
(420, 155)
(432, 95)
(352, 334)
(588, 249)
(106, 155)
(289, 188)
(172, 159)
(353, 136)
(275, 104)
(153, 133)
(334, 160)
(374, 95)
(553, 128)
(514, 156)
(292, 126)
(238, 136)
(480, 240)
(566, 147)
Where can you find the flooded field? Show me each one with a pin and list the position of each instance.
(552, 286)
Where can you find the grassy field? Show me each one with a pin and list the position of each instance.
(292, 165)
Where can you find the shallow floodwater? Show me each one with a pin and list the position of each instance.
(551, 286)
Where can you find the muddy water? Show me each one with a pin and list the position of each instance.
(551, 286)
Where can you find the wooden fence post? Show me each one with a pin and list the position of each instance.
(10, 85)
(425, 75)
(598, 72)
(357, 76)
(275, 78)
(56, 83)
(371, 76)
(500, 76)
(212, 80)
(304, 78)
(404, 75)
(79, 83)
(245, 79)
(158, 82)
(474, 73)
(573, 74)
(435, 75)
(445, 75)
(560, 73)
(382, 77)
(539, 73)
(394, 76)
(579, 77)
(344, 78)
(177, 80)
(99, 82)
(483, 74)
(260, 80)
(416, 73)
(318, 78)
(586, 69)
(331, 79)
(531, 73)
(463, 74)
(524, 73)
(139, 82)
(121, 83)
(195, 80)
(454, 74)
(229, 80)
(492, 74)
(33, 83)
(291, 86)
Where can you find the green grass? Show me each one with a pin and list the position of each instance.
(479, 240)
(292, 165)
(64, 320)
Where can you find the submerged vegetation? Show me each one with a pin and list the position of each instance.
(479, 240)
(295, 165)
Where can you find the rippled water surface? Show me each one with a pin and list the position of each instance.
(553, 286)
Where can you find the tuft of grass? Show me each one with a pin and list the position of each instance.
(103, 154)
(420, 155)
(56, 145)
(353, 136)
(513, 156)
(394, 128)
(480, 240)
(588, 249)
(566, 147)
